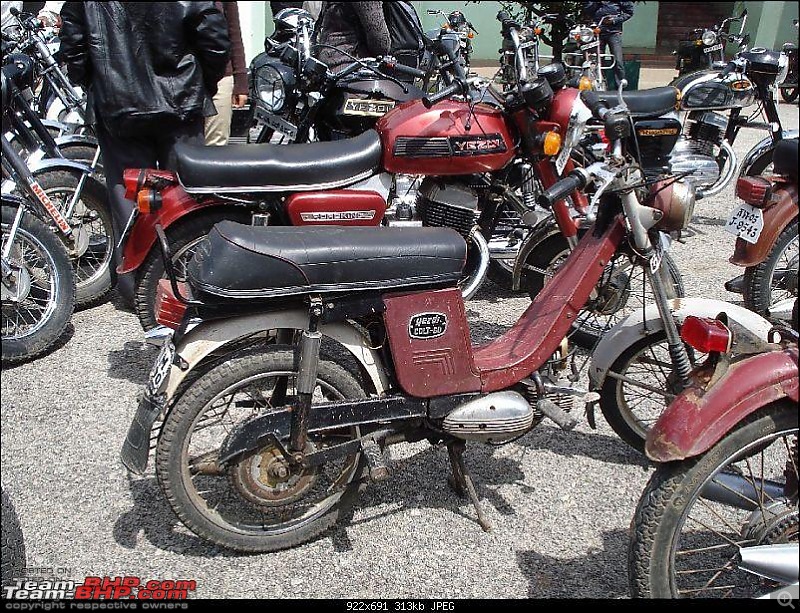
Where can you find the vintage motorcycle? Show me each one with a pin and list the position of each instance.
(584, 59)
(457, 23)
(765, 224)
(301, 352)
(788, 87)
(719, 517)
(704, 48)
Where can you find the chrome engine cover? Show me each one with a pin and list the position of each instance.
(496, 418)
(695, 156)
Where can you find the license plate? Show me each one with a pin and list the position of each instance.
(746, 222)
(588, 46)
(160, 371)
(367, 108)
(713, 48)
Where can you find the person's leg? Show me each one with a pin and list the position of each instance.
(614, 42)
(118, 155)
(190, 133)
(218, 127)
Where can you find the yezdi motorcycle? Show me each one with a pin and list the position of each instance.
(719, 517)
(300, 353)
(765, 224)
(704, 48)
(456, 22)
(788, 87)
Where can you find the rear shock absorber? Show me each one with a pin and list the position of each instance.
(529, 186)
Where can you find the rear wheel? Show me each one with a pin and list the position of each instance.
(261, 503)
(775, 279)
(183, 238)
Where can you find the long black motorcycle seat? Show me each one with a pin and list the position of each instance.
(265, 168)
(784, 159)
(238, 261)
(645, 102)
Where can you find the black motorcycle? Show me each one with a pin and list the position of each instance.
(704, 48)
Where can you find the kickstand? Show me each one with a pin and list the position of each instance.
(461, 482)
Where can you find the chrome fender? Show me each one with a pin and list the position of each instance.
(76, 139)
(210, 337)
(760, 149)
(642, 323)
(37, 164)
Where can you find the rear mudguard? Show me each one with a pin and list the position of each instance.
(142, 237)
(776, 218)
(214, 336)
(698, 418)
(760, 149)
(640, 324)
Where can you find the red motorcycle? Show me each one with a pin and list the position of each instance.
(299, 353)
(719, 517)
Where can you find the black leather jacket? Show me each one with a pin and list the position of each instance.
(618, 13)
(145, 64)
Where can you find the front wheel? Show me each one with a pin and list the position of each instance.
(696, 515)
(775, 279)
(183, 238)
(261, 503)
(38, 293)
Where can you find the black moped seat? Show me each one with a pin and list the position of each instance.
(268, 168)
(784, 159)
(646, 102)
(237, 261)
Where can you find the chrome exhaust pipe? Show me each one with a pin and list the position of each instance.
(779, 562)
(737, 491)
(724, 179)
(476, 279)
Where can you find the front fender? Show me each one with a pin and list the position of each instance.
(760, 149)
(176, 204)
(776, 218)
(213, 336)
(543, 229)
(39, 165)
(698, 418)
(642, 323)
(76, 139)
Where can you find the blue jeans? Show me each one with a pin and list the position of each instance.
(614, 42)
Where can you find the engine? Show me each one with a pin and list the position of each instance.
(448, 205)
(697, 150)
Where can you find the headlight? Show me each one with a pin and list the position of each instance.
(270, 88)
(587, 35)
(709, 38)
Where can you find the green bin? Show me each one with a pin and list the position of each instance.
(632, 69)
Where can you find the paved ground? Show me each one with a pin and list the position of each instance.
(560, 503)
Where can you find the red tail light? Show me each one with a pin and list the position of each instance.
(136, 179)
(133, 179)
(169, 309)
(706, 335)
(753, 190)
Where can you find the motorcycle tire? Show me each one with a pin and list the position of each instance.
(789, 94)
(656, 564)
(546, 257)
(626, 420)
(95, 274)
(182, 237)
(759, 279)
(13, 544)
(40, 239)
(259, 497)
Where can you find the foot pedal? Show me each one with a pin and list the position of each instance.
(378, 471)
(563, 420)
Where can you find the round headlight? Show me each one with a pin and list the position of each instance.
(587, 35)
(270, 88)
(709, 38)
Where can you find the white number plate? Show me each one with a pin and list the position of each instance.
(160, 370)
(746, 222)
(713, 48)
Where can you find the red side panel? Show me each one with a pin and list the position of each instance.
(533, 339)
(336, 208)
(698, 418)
(429, 338)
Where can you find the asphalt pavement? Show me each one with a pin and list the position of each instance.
(560, 503)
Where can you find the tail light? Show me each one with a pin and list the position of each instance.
(706, 335)
(136, 179)
(169, 309)
(133, 179)
(753, 190)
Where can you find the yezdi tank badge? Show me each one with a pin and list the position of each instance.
(427, 325)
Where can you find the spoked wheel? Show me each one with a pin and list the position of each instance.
(39, 291)
(698, 518)
(622, 289)
(91, 247)
(639, 386)
(262, 502)
(774, 280)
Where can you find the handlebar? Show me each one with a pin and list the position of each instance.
(575, 180)
(598, 107)
(447, 92)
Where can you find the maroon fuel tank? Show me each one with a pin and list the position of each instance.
(447, 139)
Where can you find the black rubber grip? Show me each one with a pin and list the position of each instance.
(593, 102)
(561, 190)
(408, 70)
(429, 101)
